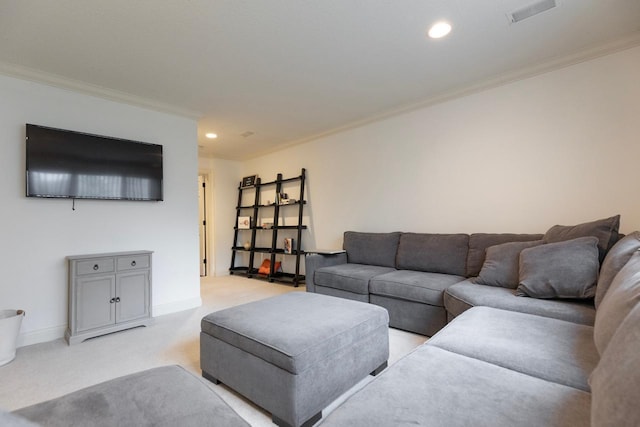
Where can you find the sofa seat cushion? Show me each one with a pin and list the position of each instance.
(435, 387)
(522, 342)
(163, 396)
(349, 277)
(427, 288)
(461, 296)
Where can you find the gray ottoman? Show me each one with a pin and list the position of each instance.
(295, 353)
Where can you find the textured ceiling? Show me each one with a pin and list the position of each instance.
(292, 70)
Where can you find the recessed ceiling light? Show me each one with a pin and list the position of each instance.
(211, 135)
(439, 29)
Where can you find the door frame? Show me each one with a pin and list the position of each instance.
(205, 232)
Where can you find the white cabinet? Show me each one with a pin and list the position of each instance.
(108, 293)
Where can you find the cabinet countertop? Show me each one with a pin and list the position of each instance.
(108, 254)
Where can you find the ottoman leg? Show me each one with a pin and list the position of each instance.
(377, 370)
(311, 421)
(210, 377)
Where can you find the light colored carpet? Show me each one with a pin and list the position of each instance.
(48, 370)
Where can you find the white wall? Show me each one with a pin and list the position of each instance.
(37, 234)
(562, 147)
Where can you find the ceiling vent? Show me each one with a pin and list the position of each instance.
(531, 10)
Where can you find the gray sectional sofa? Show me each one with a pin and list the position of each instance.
(543, 330)
(500, 367)
(425, 280)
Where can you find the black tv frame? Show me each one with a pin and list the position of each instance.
(92, 166)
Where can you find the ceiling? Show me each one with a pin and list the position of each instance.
(289, 71)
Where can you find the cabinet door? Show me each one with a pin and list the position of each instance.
(132, 290)
(95, 302)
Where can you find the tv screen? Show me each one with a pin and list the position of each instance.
(62, 163)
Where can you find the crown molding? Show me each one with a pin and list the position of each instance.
(37, 76)
(554, 64)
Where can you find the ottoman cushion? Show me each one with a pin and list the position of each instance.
(294, 331)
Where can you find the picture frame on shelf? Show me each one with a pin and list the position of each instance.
(244, 222)
(282, 198)
(248, 181)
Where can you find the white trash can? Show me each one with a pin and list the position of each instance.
(10, 322)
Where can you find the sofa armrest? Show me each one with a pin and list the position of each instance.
(314, 261)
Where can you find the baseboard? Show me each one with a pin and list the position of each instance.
(173, 307)
(57, 332)
(41, 335)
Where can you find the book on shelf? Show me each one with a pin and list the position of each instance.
(288, 245)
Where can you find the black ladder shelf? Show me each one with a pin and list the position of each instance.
(260, 210)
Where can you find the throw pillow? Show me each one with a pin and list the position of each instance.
(479, 242)
(560, 270)
(606, 230)
(617, 257)
(502, 264)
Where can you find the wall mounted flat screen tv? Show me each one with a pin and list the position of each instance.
(62, 163)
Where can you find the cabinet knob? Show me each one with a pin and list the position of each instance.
(133, 263)
(118, 299)
(112, 300)
(96, 267)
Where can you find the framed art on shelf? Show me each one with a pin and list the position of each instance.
(244, 222)
(248, 181)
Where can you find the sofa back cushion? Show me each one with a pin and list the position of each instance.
(479, 242)
(622, 296)
(371, 248)
(614, 383)
(435, 253)
(616, 258)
